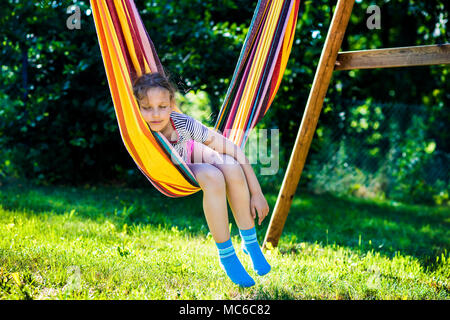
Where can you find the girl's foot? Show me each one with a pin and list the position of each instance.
(232, 266)
(251, 247)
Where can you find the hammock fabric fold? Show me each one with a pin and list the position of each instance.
(128, 52)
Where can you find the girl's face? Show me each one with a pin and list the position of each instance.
(156, 108)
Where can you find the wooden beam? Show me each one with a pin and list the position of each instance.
(310, 118)
(394, 57)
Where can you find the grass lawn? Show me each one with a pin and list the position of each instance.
(116, 243)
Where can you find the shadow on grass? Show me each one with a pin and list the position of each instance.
(118, 205)
(416, 230)
(359, 224)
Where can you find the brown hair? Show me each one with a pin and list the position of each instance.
(152, 80)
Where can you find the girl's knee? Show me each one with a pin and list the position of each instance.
(212, 157)
(232, 170)
(229, 160)
(211, 178)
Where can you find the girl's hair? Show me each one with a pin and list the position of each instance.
(152, 80)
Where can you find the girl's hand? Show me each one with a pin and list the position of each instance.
(258, 203)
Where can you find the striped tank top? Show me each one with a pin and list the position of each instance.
(186, 128)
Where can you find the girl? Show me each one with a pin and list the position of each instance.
(221, 169)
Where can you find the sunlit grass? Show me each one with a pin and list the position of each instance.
(112, 243)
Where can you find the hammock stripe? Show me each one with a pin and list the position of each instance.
(242, 110)
(128, 52)
(268, 71)
(138, 139)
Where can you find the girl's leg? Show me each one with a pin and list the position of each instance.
(239, 199)
(212, 182)
(236, 184)
(237, 191)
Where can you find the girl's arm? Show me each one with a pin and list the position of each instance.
(223, 145)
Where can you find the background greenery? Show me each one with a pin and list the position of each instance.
(58, 123)
(79, 221)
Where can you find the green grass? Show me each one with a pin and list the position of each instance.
(116, 243)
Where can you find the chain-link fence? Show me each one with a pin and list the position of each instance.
(380, 150)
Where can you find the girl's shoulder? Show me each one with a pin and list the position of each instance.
(186, 124)
(179, 116)
(182, 118)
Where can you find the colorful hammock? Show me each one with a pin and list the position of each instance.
(128, 51)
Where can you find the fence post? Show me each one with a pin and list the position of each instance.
(310, 118)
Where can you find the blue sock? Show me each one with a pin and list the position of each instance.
(232, 266)
(251, 247)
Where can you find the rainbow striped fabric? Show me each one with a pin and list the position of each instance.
(128, 51)
(259, 70)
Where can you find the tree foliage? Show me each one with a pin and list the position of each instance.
(58, 124)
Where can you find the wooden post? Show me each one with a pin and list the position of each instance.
(310, 117)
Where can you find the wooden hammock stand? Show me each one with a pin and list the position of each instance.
(331, 60)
